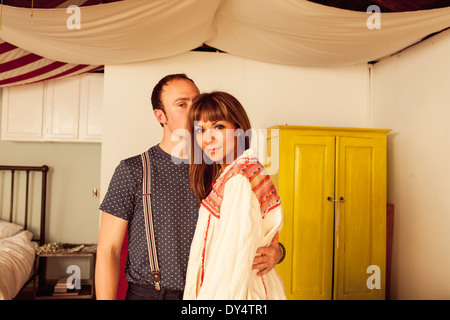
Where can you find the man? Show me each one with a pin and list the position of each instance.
(174, 209)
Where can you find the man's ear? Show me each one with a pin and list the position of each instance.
(160, 116)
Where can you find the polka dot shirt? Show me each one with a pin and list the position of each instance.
(174, 210)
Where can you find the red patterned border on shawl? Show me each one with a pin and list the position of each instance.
(261, 184)
(204, 252)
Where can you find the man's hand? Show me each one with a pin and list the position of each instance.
(268, 258)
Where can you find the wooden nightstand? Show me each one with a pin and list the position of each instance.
(44, 288)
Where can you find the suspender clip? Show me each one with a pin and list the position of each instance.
(156, 278)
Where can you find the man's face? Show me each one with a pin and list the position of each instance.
(177, 97)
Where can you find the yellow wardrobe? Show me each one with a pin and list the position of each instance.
(332, 184)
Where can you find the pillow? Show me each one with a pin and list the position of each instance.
(8, 229)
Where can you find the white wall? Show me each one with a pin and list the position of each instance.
(271, 94)
(72, 212)
(411, 94)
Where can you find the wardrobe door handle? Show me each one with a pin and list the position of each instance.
(341, 200)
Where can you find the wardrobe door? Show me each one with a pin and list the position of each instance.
(306, 180)
(360, 254)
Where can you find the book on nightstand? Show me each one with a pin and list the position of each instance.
(62, 289)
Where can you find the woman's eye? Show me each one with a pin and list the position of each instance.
(220, 127)
(198, 130)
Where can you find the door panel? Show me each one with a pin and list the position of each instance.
(309, 217)
(361, 235)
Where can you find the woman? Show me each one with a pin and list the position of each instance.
(240, 209)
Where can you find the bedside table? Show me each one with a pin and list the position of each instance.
(44, 288)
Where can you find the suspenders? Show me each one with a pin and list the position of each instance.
(146, 199)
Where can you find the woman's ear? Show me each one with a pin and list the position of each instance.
(160, 116)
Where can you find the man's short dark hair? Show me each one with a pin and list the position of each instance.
(156, 94)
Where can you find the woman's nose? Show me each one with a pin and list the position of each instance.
(208, 136)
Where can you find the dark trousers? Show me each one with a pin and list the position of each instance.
(148, 292)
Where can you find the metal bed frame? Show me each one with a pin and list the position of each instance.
(44, 169)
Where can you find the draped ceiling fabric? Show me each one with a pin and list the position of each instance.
(294, 32)
(18, 66)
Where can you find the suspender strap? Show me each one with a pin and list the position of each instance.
(150, 232)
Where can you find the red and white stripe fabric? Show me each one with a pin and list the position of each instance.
(18, 66)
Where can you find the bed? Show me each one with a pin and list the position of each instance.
(22, 224)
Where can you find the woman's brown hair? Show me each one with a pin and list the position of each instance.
(214, 106)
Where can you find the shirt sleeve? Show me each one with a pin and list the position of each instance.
(120, 197)
(234, 244)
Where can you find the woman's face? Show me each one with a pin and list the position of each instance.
(217, 140)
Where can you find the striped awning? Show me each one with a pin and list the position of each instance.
(18, 66)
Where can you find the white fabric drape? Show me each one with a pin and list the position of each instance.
(295, 32)
(303, 33)
(113, 33)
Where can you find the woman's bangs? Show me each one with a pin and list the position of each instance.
(210, 110)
